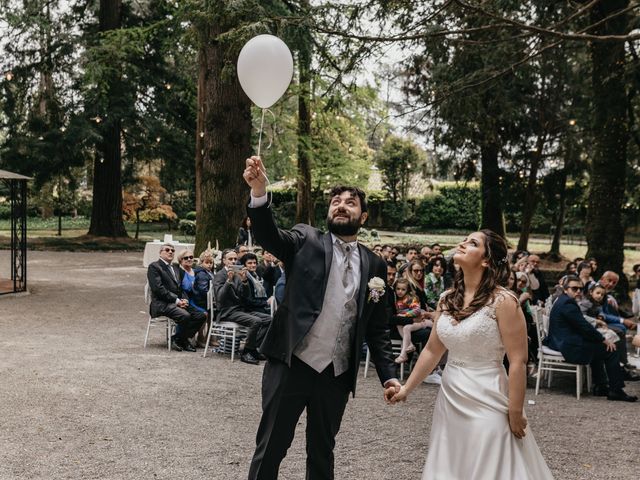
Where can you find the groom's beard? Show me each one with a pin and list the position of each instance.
(343, 229)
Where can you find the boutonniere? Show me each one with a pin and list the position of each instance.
(376, 289)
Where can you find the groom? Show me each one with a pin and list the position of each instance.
(313, 344)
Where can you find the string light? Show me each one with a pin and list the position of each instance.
(63, 129)
(572, 122)
(158, 139)
(168, 86)
(201, 134)
(97, 119)
(8, 76)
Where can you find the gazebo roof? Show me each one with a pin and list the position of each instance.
(13, 176)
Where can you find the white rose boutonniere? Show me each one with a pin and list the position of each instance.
(376, 289)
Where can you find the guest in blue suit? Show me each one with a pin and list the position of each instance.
(580, 343)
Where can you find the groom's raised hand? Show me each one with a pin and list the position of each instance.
(254, 175)
(391, 388)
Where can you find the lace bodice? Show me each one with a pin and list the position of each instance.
(476, 339)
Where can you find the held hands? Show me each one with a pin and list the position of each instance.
(400, 395)
(609, 345)
(518, 424)
(254, 176)
(391, 390)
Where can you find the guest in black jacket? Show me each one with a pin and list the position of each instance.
(229, 287)
(580, 343)
(254, 298)
(168, 299)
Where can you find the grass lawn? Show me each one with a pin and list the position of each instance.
(42, 234)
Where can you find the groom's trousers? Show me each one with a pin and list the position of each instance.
(286, 392)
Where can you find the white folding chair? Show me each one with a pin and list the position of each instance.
(223, 331)
(396, 347)
(161, 321)
(551, 360)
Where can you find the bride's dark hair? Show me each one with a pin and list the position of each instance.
(496, 274)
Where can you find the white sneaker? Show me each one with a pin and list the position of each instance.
(433, 378)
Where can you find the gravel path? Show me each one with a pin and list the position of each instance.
(82, 399)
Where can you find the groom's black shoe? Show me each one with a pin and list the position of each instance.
(621, 396)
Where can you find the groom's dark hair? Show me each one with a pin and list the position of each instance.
(354, 191)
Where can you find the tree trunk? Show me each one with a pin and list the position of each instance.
(530, 196)
(224, 117)
(492, 217)
(106, 211)
(304, 204)
(554, 252)
(604, 229)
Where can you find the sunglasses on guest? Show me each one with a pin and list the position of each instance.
(169, 250)
(417, 270)
(190, 257)
(574, 289)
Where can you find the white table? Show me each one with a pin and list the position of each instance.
(152, 250)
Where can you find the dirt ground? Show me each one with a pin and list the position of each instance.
(82, 399)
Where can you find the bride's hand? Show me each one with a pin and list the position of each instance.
(400, 396)
(517, 424)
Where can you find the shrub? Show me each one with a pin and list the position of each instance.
(187, 227)
(190, 216)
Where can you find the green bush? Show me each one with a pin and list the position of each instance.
(190, 216)
(5, 211)
(452, 207)
(187, 227)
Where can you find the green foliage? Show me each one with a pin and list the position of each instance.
(190, 216)
(398, 159)
(187, 227)
(450, 207)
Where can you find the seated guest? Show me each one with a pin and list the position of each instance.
(541, 293)
(168, 299)
(425, 254)
(228, 286)
(523, 292)
(611, 313)
(434, 284)
(584, 273)
(278, 290)
(591, 308)
(268, 271)
(580, 343)
(436, 249)
(408, 318)
(185, 260)
(415, 274)
(377, 249)
(201, 285)
(254, 295)
(635, 298)
(241, 251)
(412, 254)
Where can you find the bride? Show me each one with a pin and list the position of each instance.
(479, 428)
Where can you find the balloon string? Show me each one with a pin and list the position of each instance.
(262, 171)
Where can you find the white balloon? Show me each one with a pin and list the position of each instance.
(265, 69)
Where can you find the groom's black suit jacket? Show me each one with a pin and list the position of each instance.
(307, 254)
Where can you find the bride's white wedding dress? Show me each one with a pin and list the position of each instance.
(470, 435)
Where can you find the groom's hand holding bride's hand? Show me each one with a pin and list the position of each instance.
(254, 176)
(391, 388)
(400, 395)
